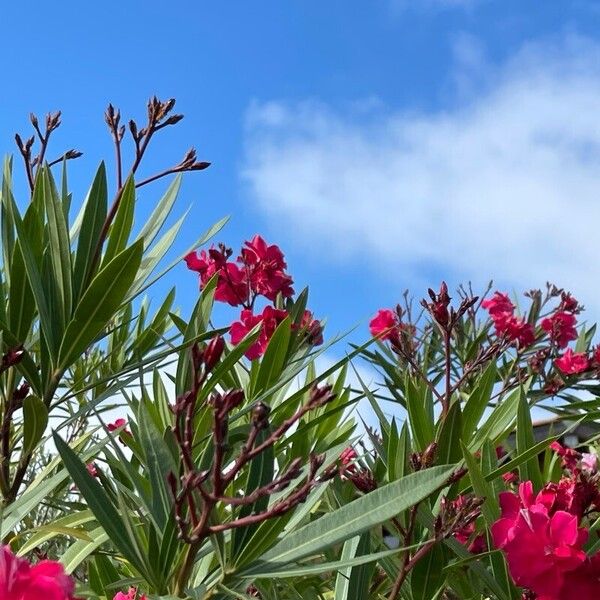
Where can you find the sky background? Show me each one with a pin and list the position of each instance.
(383, 145)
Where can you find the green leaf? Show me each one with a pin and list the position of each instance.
(47, 532)
(121, 227)
(59, 248)
(352, 583)
(478, 401)
(499, 421)
(159, 463)
(99, 503)
(450, 435)
(27, 245)
(273, 360)
(324, 567)
(35, 420)
(41, 487)
(490, 508)
(358, 516)
(99, 303)
(261, 472)
(491, 513)
(529, 470)
(197, 325)
(92, 222)
(21, 303)
(419, 419)
(426, 578)
(81, 549)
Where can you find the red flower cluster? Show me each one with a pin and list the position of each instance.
(541, 535)
(258, 271)
(506, 324)
(46, 580)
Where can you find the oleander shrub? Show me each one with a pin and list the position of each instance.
(145, 453)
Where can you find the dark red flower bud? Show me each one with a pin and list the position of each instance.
(12, 357)
(232, 399)
(320, 395)
(213, 352)
(21, 392)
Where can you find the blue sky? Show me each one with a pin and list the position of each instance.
(383, 145)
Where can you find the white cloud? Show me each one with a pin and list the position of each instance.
(505, 185)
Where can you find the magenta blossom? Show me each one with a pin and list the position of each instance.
(571, 363)
(269, 320)
(541, 550)
(385, 324)
(46, 580)
(561, 328)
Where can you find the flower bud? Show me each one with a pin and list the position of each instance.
(320, 395)
(21, 392)
(12, 357)
(213, 352)
(232, 399)
(428, 455)
(260, 415)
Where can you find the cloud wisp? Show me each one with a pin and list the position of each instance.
(505, 185)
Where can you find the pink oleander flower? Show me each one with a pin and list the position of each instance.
(541, 540)
(266, 266)
(583, 582)
(541, 549)
(569, 458)
(561, 328)
(117, 424)
(385, 325)
(269, 320)
(232, 286)
(571, 363)
(595, 361)
(132, 594)
(498, 305)
(517, 329)
(46, 580)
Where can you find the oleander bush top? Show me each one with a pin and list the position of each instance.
(148, 454)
